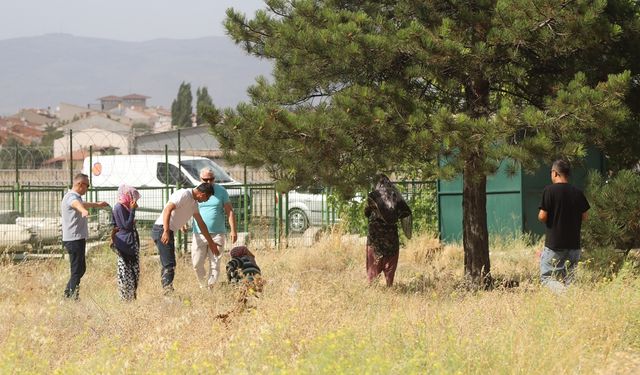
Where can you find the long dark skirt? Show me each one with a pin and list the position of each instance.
(377, 264)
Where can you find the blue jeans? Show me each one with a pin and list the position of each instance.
(78, 263)
(558, 267)
(167, 254)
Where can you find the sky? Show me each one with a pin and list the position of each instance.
(125, 20)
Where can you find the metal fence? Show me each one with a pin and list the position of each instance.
(33, 180)
(30, 215)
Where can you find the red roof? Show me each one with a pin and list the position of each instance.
(110, 97)
(13, 121)
(5, 134)
(28, 131)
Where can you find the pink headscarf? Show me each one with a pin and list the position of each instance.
(127, 194)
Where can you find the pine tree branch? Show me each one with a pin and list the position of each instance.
(517, 95)
(306, 98)
(248, 29)
(274, 11)
(550, 20)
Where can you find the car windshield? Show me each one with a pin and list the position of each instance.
(310, 190)
(193, 167)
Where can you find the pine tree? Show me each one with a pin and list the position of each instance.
(432, 88)
(206, 112)
(51, 133)
(182, 108)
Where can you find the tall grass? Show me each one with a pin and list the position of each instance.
(318, 315)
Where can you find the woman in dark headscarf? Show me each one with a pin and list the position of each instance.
(242, 265)
(385, 206)
(127, 242)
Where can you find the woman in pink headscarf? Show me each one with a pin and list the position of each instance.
(127, 242)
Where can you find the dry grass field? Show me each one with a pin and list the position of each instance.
(317, 315)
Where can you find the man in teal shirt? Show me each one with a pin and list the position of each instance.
(213, 212)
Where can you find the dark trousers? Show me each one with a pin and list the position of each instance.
(77, 260)
(167, 254)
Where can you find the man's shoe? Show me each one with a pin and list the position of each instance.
(72, 294)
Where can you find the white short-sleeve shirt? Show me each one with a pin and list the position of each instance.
(186, 206)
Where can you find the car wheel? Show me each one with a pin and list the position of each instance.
(298, 221)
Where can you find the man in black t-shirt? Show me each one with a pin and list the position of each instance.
(563, 209)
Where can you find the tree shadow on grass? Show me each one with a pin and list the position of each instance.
(429, 284)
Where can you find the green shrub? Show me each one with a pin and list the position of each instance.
(420, 196)
(613, 225)
(351, 213)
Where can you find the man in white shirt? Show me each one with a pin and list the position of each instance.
(182, 205)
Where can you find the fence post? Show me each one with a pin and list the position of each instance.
(245, 213)
(285, 212)
(182, 242)
(179, 181)
(276, 215)
(331, 213)
(70, 158)
(179, 149)
(166, 173)
(177, 234)
(90, 171)
(26, 199)
(17, 166)
(62, 249)
(16, 197)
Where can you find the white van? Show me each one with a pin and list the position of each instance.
(151, 174)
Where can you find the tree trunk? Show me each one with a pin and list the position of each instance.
(477, 267)
(475, 236)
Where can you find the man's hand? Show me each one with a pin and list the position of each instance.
(102, 204)
(234, 236)
(543, 216)
(165, 237)
(214, 248)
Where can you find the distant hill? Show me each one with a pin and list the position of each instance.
(46, 70)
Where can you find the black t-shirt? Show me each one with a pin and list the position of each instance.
(564, 204)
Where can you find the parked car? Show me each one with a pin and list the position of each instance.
(309, 207)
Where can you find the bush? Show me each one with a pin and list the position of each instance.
(420, 196)
(351, 213)
(613, 226)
